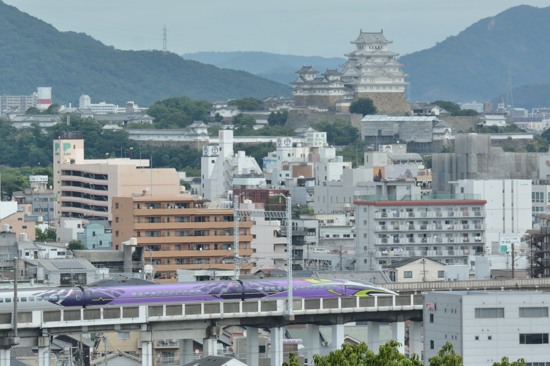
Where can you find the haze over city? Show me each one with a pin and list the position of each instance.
(321, 28)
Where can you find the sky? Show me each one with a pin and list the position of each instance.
(292, 27)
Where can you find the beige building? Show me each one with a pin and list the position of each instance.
(85, 187)
(417, 269)
(179, 232)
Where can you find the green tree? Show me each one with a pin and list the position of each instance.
(76, 245)
(506, 362)
(247, 104)
(244, 121)
(45, 235)
(360, 355)
(178, 112)
(277, 118)
(292, 360)
(299, 210)
(454, 109)
(32, 110)
(362, 106)
(339, 132)
(446, 357)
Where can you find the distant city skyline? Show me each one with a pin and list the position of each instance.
(320, 28)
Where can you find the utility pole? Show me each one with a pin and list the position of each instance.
(513, 261)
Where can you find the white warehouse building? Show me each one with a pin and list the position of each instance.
(484, 326)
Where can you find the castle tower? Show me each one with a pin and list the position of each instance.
(371, 71)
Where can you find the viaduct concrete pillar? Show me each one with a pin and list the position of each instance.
(313, 342)
(398, 334)
(210, 347)
(373, 336)
(186, 351)
(146, 349)
(252, 347)
(44, 351)
(415, 338)
(5, 356)
(277, 346)
(337, 337)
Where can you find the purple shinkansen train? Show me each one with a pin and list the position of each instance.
(196, 292)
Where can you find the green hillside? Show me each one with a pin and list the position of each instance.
(510, 49)
(272, 66)
(33, 53)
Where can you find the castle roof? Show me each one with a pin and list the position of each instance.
(371, 37)
(307, 70)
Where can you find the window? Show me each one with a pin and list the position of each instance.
(482, 313)
(123, 335)
(533, 312)
(408, 274)
(533, 338)
(431, 318)
(440, 274)
(432, 345)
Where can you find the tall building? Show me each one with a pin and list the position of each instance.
(484, 326)
(85, 187)
(371, 71)
(221, 169)
(179, 232)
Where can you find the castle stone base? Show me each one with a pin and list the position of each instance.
(388, 103)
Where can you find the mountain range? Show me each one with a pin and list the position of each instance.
(272, 66)
(33, 53)
(500, 57)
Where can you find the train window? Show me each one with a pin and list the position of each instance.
(23, 299)
(39, 298)
(172, 293)
(78, 297)
(31, 298)
(153, 293)
(166, 293)
(8, 300)
(140, 294)
(134, 294)
(1, 300)
(179, 292)
(54, 298)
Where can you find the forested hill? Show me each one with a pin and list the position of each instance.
(33, 53)
(276, 67)
(511, 49)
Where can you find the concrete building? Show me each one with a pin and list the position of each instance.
(420, 133)
(40, 199)
(85, 187)
(474, 158)
(179, 232)
(13, 219)
(389, 228)
(484, 326)
(40, 99)
(221, 169)
(371, 70)
(96, 235)
(508, 212)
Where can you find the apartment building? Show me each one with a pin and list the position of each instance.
(484, 326)
(85, 187)
(179, 232)
(450, 230)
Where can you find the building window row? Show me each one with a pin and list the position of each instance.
(76, 173)
(533, 338)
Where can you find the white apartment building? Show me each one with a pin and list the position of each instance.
(270, 247)
(221, 169)
(389, 228)
(508, 211)
(484, 326)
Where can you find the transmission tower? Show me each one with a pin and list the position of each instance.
(164, 40)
